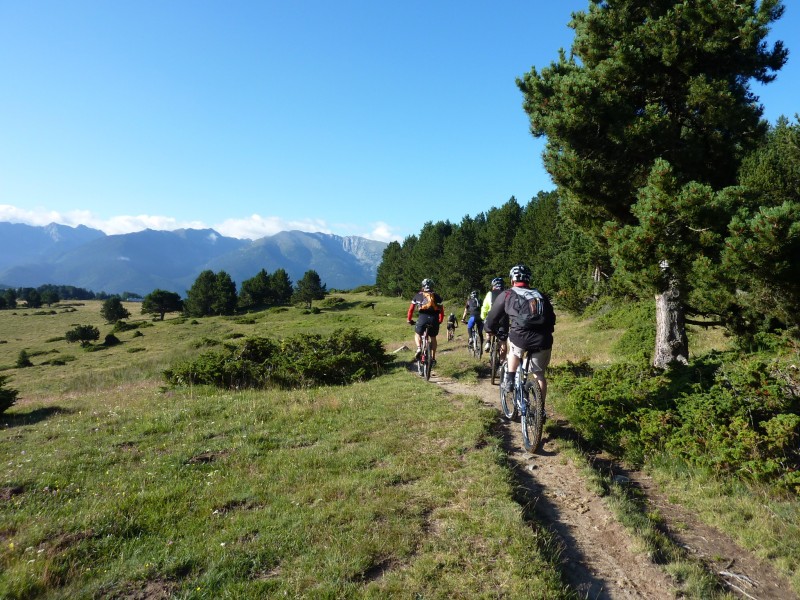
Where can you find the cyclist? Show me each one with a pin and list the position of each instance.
(431, 314)
(452, 323)
(502, 329)
(473, 307)
(534, 334)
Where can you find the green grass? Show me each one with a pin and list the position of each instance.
(116, 486)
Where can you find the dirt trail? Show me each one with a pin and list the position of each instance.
(599, 557)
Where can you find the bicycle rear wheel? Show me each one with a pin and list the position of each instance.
(507, 404)
(533, 420)
(426, 361)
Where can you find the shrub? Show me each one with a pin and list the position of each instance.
(333, 302)
(23, 360)
(731, 415)
(245, 321)
(344, 357)
(137, 333)
(7, 396)
(121, 326)
(111, 340)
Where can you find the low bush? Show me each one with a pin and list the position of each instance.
(111, 340)
(343, 357)
(7, 396)
(121, 326)
(333, 302)
(23, 360)
(734, 415)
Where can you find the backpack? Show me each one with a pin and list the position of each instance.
(428, 302)
(529, 308)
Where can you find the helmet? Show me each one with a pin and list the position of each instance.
(427, 284)
(497, 282)
(473, 294)
(520, 273)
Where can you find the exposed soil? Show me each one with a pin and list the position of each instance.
(600, 559)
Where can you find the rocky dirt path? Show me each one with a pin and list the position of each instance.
(600, 559)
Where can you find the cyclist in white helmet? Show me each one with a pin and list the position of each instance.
(523, 335)
(431, 314)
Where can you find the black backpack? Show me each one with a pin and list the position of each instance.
(529, 308)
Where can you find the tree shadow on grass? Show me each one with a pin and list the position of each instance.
(9, 420)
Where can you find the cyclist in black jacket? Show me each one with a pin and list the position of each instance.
(537, 339)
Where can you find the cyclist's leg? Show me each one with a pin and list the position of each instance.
(418, 329)
(470, 325)
(433, 333)
(514, 358)
(539, 362)
(479, 323)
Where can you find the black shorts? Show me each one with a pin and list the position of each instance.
(431, 321)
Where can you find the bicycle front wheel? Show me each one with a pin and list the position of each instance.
(507, 404)
(533, 420)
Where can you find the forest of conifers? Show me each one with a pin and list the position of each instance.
(668, 181)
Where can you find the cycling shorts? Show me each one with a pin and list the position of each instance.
(539, 359)
(431, 321)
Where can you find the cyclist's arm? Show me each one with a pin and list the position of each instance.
(486, 306)
(495, 314)
(410, 314)
(441, 313)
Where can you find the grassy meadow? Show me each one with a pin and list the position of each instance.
(117, 485)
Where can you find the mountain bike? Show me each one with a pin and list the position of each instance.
(424, 362)
(525, 402)
(495, 360)
(475, 347)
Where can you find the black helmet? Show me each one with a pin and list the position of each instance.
(520, 273)
(427, 284)
(497, 282)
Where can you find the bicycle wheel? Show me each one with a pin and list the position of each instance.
(493, 356)
(533, 420)
(426, 361)
(507, 404)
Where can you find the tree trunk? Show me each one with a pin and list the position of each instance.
(672, 344)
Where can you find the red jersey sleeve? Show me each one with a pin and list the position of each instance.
(410, 312)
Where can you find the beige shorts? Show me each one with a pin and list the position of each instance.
(539, 360)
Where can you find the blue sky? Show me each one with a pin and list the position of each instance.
(354, 117)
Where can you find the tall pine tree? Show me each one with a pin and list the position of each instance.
(650, 81)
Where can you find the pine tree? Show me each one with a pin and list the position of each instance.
(652, 81)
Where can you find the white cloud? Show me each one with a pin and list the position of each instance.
(114, 225)
(256, 226)
(382, 232)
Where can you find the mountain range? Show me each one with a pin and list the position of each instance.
(140, 262)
